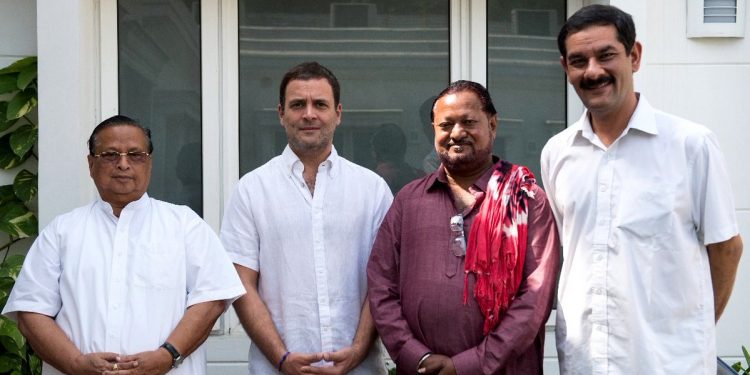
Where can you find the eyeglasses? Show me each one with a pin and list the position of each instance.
(458, 240)
(114, 156)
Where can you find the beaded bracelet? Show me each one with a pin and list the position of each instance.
(283, 358)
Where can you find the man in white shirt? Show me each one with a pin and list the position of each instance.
(299, 230)
(645, 214)
(127, 284)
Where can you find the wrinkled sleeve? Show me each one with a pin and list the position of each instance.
(37, 288)
(210, 273)
(385, 295)
(239, 233)
(531, 307)
(713, 200)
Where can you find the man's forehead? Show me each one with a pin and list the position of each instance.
(597, 37)
(120, 133)
(464, 99)
(301, 88)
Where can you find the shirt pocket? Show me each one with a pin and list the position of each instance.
(646, 217)
(157, 266)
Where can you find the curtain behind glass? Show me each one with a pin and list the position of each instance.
(391, 57)
(159, 56)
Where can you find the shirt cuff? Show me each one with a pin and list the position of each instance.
(411, 353)
(467, 362)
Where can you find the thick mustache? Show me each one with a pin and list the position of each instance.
(591, 83)
(458, 143)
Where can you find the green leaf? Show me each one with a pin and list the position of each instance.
(6, 283)
(17, 220)
(5, 124)
(22, 103)
(36, 364)
(19, 65)
(8, 363)
(25, 185)
(9, 329)
(8, 158)
(11, 267)
(7, 194)
(26, 76)
(747, 356)
(23, 139)
(8, 83)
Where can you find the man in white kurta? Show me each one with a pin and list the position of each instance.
(645, 214)
(300, 241)
(119, 277)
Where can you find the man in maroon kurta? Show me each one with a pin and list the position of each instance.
(416, 275)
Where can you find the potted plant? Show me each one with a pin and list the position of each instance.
(18, 135)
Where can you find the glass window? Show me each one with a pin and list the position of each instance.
(159, 57)
(524, 76)
(390, 56)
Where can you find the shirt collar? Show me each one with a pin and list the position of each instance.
(642, 119)
(439, 177)
(293, 162)
(135, 205)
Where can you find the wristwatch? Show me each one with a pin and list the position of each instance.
(176, 356)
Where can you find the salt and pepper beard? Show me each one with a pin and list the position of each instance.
(465, 163)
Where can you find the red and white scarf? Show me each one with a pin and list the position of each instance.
(497, 242)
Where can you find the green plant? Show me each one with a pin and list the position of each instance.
(18, 135)
(738, 366)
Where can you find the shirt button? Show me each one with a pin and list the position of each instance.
(598, 257)
(602, 187)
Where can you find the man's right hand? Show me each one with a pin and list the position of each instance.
(98, 363)
(437, 364)
(295, 361)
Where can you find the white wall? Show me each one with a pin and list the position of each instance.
(705, 80)
(17, 30)
(69, 102)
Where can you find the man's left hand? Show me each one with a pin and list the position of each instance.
(343, 360)
(155, 362)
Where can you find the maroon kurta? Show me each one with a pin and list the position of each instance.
(416, 285)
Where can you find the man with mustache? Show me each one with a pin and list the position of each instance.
(126, 284)
(645, 214)
(462, 274)
(299, 230)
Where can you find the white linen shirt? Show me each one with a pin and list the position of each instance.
(635, 294)
(122, 285)
(311, 250)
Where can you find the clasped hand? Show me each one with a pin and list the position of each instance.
(336, 363)
(155, 362)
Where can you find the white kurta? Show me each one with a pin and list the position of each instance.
(635, 294)
(311, 251)
(122, 285)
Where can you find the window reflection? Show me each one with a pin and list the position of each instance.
(524, 76)
(159, 60)
(389, 56)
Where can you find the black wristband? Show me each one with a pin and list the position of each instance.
(176, 356)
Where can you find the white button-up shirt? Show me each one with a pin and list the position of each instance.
(635, 294)
(122, 284)
(311, 250)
